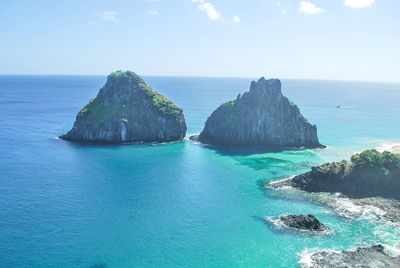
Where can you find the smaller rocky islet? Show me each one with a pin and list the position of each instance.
(368, 174)
(127, 110)
(303, 222)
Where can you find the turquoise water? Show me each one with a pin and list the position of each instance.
(172, 205)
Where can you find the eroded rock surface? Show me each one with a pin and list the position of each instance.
(262, 117)
(368, 174)
(125, 110)
(303, 222)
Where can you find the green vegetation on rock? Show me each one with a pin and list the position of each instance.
(95, 112)
(161, 103)
(127, 109)
(164, 105)
(386, 163)
(368, 174)
(260, 118)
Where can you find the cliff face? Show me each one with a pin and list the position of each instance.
(368, 174)
(262, 117)
(126, 109)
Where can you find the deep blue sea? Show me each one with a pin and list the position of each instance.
(179, 204)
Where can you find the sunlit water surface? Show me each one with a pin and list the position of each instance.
(173, 205)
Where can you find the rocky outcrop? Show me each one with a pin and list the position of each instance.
(262, 117)
(374, 256)
(127, 110)
(303, 222)
(368, 174)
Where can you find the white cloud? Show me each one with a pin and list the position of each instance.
(309, 8)
(108, 16)
(209, 9)
(236, 19)
(359, 3)
(153, 12)
(284, 11)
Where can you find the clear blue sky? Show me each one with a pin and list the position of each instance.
(318, 39)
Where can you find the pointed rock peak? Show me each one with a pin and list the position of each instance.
(261, 80)
(261, 118)
(270, 86)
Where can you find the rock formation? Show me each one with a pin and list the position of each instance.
(127, 110)
(368, 174)
(374, 256)
(261, 118)
(303, 222)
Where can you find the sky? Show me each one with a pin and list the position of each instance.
(316, 39)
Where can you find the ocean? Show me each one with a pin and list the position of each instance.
(180, 204)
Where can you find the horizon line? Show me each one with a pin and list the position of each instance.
(208, 76)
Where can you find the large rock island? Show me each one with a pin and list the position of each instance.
(127, 110)
(261, 118)
(368, 174)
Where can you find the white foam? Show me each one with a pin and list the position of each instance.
(281, 180)
(306, 256)
(280, 184)
(306, 259)
(393, 251)
(348, 208)
(278, 224)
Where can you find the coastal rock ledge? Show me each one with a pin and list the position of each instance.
(127, 110)
(368, 174)
(261, 118)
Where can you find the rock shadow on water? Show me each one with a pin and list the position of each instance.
(247, 151)
(274, 164)
(278, 161)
